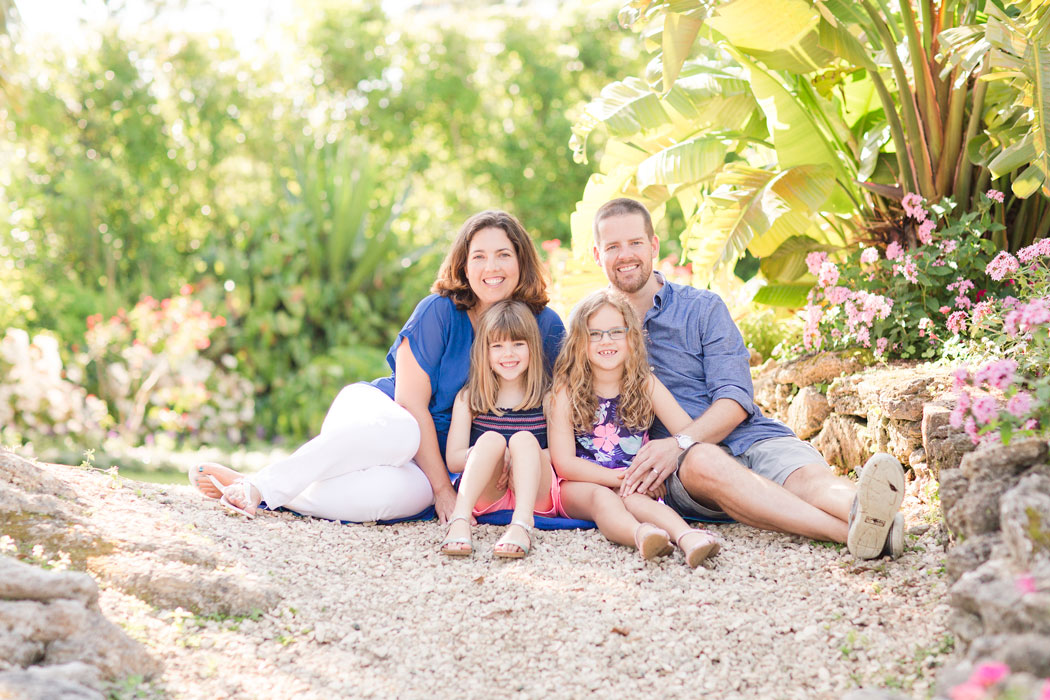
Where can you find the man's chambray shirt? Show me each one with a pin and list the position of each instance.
(697, 351)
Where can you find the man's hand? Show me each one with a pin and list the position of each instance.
(444, 503)
(657, 492)
(656, 461)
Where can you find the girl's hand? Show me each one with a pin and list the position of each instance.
(657, 492)
(504, 478)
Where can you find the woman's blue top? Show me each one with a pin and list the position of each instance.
(440, 336)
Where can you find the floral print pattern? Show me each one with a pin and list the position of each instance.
(610, 444)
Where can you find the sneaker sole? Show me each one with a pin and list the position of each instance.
(879, 496)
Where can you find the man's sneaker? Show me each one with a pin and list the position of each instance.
(894, 546)
(879, 495)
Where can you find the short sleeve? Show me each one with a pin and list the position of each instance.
(427, 333)
(726, 369)
(552, 330)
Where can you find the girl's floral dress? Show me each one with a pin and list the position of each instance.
(609, 444)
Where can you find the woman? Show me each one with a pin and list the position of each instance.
(380, 452)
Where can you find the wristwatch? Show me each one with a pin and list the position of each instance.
(686, 443)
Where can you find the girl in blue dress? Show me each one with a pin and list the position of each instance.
(604, 399)
(498, 420)
(380, 454)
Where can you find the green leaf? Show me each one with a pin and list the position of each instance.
(1040, 61)
(790, 295)
(684, 162)
(788, 262)
(679, 34)
(789, 43)
(1014, 156)
(1028, 182)
(624, 108)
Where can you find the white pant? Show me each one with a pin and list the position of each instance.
(359, 468)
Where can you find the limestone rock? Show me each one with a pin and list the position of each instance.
(807, 413)
(20, 581)
(991, 594)
(954, 486)
(815, 369)
(844, 397)
(843, 442)
(30, 478)
(72, 681)
(1021, 652)
(991, 462)
(1025, 517)
(904, 438)
(970, 554)
(945, 446)
(171, 584)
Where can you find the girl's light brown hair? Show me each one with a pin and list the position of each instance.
(452, 277)
(572, 372)
(505, 320)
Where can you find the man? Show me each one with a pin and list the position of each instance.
(731, 461)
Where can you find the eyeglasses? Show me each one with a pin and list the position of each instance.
(613, 333)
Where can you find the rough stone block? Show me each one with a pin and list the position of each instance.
(815, 369)
(844, 443)
(991, 462)
(970, 554)
(1025, 518)
(807, 412)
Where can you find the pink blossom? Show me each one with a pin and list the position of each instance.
(907, 269)
(894, 251)
(1044, 246)
(829, 274)
(1019, 404)
(984, 409)
(836, 295)
(926, 231)
(967, 691)
(948, 247)
(880, 346)
(958, 414)
(912, 204)
(924, 323)
(970, 428)
(998, 374)
(1035, 313)
(814, 260)
(869, 255)
(995, 196)
(981, 311)
(1044, 693)
(811, 336)
(988, 674)
(960, 377)
(1028, 253)
(1003, 265)
(551, 245)
(957, 322)
(864, 336)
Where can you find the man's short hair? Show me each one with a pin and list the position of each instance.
(623, 206)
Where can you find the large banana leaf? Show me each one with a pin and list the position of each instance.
(623, 108)
(790, 43)
(685, 162)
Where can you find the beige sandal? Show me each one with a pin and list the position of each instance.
(523, 548)
(449, 540)
(708, 546)
(652, 541)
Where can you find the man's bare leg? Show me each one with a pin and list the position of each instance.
(818, 486)
(714, 478)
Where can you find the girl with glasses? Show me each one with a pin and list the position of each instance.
(604, 399)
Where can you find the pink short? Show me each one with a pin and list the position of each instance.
(506, 502)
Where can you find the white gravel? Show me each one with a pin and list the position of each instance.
(377, 612)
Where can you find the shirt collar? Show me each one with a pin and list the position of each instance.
(663, 294)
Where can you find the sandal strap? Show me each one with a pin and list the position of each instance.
(527, 529)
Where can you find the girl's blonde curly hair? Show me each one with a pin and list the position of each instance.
(572, 372)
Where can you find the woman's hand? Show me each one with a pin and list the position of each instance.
(445, 503)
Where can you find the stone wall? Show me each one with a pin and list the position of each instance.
(849, 412)
(995, 500)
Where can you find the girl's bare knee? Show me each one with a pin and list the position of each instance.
(523, 439)
(491, 440)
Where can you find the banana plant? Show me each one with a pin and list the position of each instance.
(779, 127)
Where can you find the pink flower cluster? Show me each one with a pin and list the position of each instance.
(983, 677)
(869, 255)
(960, 287)
(995, 196)
(926, 231)
(912, 204)
(906, 268)
(894, 251)
(1003, 265)
(975, 411)
(814, 260)
(1038, 249)
(1023, 318)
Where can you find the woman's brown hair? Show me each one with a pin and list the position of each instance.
(452, 277)
(572, 372)
(505, 320)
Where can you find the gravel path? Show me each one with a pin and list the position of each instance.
(376, 612)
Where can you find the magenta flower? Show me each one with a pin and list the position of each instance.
(957, 322)
(988, 674)
(1028, 253)
(998, 374)
(995, 196)
(605, 437)
(1019, 404)
(869, 255)
(967, 691)
(894, 251)
(984, 409)
(981, 310)
(1025, 584)
(1044, 694)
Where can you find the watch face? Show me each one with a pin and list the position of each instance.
(684, 441)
